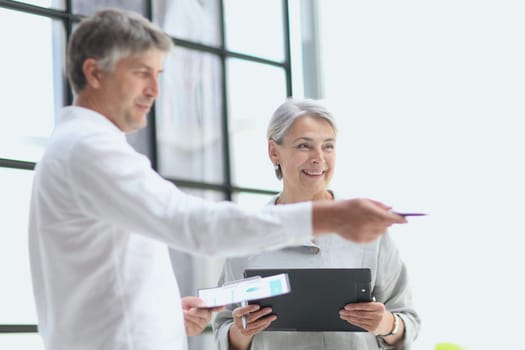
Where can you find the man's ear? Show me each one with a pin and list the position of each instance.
(92, 72)
(273, 152)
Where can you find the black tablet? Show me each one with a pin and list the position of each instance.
(315, 299)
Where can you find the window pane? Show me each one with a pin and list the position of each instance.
(57, 4)
(255, 28)
(195, 20)
(90, 7)
(16, 295)
(30, 341)
(189, 110)
(31, 88)
(255, 91)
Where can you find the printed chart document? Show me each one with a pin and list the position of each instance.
(252, 288)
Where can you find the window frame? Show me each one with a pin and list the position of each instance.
(227, 188)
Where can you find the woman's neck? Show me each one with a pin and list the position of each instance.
(286, 198)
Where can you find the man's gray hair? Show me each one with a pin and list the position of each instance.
(108, 36)
(287, 113)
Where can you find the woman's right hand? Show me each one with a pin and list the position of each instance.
(257, 320)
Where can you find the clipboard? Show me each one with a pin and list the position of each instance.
(316, 297)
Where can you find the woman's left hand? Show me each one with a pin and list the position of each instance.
(371, 316)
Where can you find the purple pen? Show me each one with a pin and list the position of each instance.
(409, 214)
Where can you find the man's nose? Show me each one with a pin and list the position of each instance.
(152, 90)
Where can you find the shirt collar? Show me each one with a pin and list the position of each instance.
(77, 112)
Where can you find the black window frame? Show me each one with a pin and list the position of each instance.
(227, 188)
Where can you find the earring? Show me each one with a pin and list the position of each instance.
(278, 171)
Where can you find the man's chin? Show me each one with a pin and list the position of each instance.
(138, 125)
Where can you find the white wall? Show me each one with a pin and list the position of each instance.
(430, 100)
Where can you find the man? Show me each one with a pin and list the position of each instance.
(101, 218)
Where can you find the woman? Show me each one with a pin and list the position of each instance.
(301, 145)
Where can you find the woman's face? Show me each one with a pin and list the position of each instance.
(306, 156)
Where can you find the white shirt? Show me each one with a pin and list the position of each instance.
(100, 220)
(389, 286)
